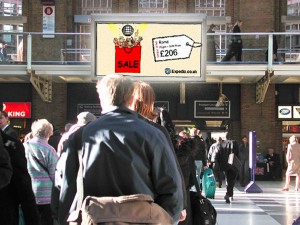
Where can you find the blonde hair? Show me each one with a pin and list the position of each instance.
(41, 128)
(293, 139)
(144, 98)
(115, 90)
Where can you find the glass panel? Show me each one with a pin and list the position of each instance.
(213, 7)
(202, 3)
(217, 12)
(295, 27)
(89, 3)
(293, 7)
(153, 6)
(11, 8)
(223, 4)
(96, 6)
(103, 3)
(160, 3)
(210, 13)
(210, 3)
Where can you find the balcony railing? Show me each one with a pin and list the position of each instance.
(73, 48)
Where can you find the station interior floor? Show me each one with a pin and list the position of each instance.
(270, 207)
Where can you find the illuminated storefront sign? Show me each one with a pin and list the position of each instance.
(17, 109)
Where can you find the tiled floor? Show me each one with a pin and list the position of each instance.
(271, 207)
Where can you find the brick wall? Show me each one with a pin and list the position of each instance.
(56, 111)
(260, 118)
(49, 49)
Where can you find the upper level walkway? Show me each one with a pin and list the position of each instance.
(70, 60)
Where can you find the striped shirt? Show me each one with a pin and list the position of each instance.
(42, 180)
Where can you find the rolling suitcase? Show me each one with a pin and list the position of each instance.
(209, 184)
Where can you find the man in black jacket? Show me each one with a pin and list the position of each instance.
(223, 150)
(19, 191)
(4, 125)
(5, 166)
(243, 155)
(122, 154)
(236, 45)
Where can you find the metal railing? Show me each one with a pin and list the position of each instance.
(256, 45)
(72, 48)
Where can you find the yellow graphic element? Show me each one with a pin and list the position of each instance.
(141, 28)
(114, 29)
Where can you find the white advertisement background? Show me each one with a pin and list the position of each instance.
(105, 53)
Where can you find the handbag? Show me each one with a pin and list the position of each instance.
(203, 211)
(233, 159)
(128, 209)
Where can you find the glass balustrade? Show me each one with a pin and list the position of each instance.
(75, 48)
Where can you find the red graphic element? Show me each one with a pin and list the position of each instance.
(17, 109)
(294, 128)
(259, 171)
(48, 11)
(128, 60)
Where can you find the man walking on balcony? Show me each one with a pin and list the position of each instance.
(236, 45)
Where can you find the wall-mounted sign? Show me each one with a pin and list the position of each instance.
(92, 108)
(284, 112)
(163, 46)
(17, 109)
(48, 21)
(48, 2)
(296, 112)
(208, 109)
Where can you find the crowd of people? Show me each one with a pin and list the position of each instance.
(132, 148)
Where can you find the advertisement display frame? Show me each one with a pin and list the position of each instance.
(187, 45)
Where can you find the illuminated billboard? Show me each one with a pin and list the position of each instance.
(158, 46)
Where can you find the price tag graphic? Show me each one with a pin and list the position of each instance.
(173, 47)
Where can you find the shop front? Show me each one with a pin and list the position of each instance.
(19, 114)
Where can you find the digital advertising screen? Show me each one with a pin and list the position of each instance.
(161, 46)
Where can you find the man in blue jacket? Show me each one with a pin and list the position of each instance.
(122, 155)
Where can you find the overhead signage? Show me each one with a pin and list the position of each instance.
(92, 108)
(296, 112)
(208, 109)
(48, 21)
(288, 112)
(149, 46)
(17, 109)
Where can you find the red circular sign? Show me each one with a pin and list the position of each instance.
(48, 11)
